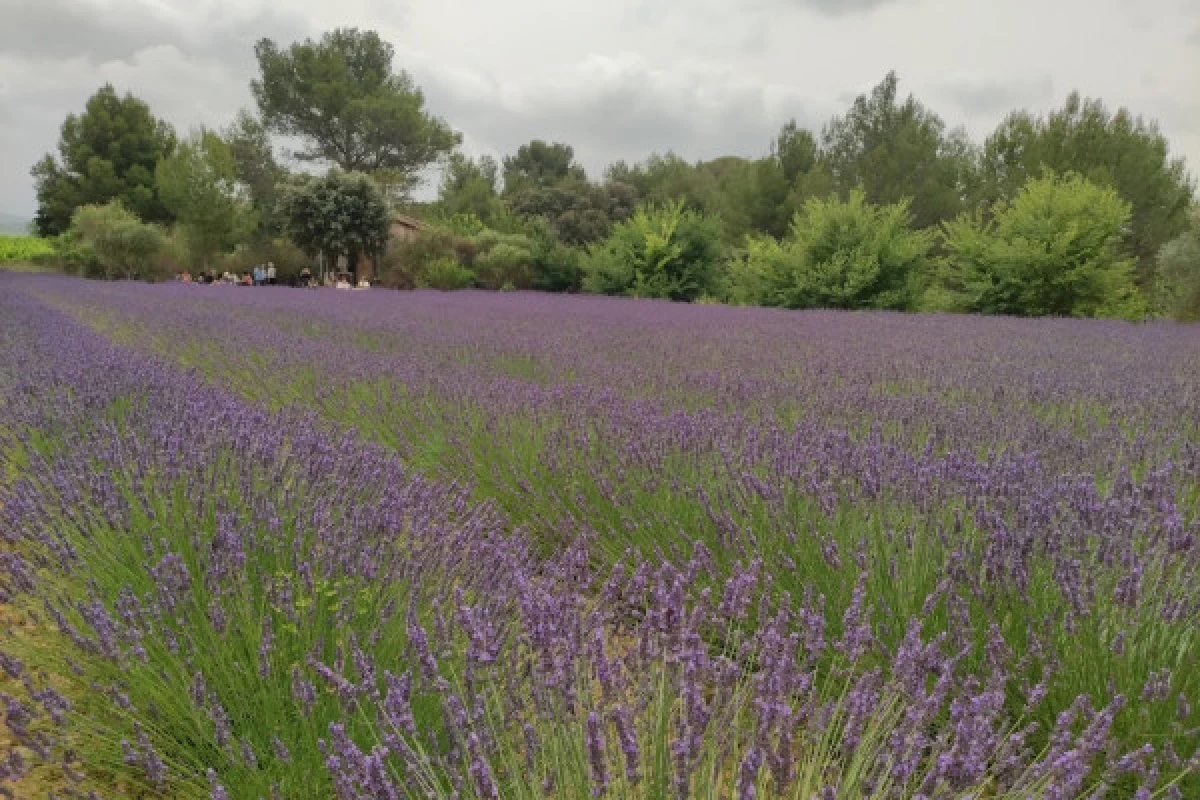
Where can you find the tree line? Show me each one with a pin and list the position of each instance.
(1082, 211)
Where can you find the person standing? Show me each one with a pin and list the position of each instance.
(271, 273)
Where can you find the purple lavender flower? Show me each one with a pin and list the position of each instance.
(596, 757)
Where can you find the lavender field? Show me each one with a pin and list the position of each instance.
(278, 543)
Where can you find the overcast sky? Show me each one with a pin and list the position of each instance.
(618, 78)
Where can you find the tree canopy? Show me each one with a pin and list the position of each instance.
(1117, 150)
(198, 183)
(1179, 272)
(108, 152)
(342, 213)
(540, 165)
(256, 167)
(342, 97)
(469, 186)
(895, 150)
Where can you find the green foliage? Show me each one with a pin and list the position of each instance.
(667, 252)
(794, 151)
(444, 273)
(750, 274)
(898, 150)
(462, 224)
(408, 259)
(761, 196)
(120, 244)
(108, 152)
(342, 96)
(469, 187)
(663, 179)
(1055, 250)
(503, 259)
(1117, 150)
(539, 165)
(27, 249)
(198, 183)
(287, 257)
(839, 254)
(257, 171)
(343, 213)
(1179, 273)
(750, 196)
(557, 267)
(577, 211)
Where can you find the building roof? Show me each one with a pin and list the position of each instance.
(407, 221)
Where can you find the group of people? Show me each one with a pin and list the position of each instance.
(266, 275)
(260, 275)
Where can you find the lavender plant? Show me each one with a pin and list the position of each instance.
(296, 545)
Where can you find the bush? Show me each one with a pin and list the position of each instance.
(663, 252)
(749, 277)
(444, 273)
(74, 256)
(176, 254)
(503, 259)
(838, 254)
(286, 256)
(29, 249)
(1054, 250)
(506, 264)
(120, 244)
(406, 259)
(1179, 274)
(461, 224)
(557, 267)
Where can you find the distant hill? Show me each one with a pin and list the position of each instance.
(12, 224)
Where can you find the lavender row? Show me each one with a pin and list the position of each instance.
(1059, 496)
(403, 640)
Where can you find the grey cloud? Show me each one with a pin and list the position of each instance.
(612, 108)
(63, 29)
(505, 74)
(58, 30)
(192, 63)
(996, 95)
(843, 7)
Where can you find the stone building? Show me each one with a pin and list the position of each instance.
(403, 227)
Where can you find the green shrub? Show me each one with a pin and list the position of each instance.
(444, 273)
(461, 224)
(407, 258)
(663, 252)
(557, 267)
(121, 245)
(1179, 273)
(28, 249)
(749, 279)
(286, 256)
(503, 258)
(1054, 250)
(838, 254)
(505, 264)
(940, 299)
